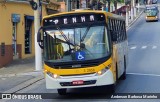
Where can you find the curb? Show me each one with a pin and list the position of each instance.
(129, 26)
(24, 85)
(34, 73)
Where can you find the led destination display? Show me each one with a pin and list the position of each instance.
(72, 19)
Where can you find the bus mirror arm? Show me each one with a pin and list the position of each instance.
(39, 39)
(41, 45)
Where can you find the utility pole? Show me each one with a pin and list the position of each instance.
(68, 5)
(38, 53)
(127, 17)
(134, 8)
(109, 4)
(35, 4)
(138, 5)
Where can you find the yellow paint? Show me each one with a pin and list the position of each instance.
(6, 26)
(151, 18)
(73, 71)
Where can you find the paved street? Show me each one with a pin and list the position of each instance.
(143, 71)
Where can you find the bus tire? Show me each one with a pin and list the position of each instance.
(62, 91)
(111, 89)
(116, 73)
(123, 77)
(108, 89)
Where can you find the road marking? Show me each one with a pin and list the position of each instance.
(3, 78)
(134, 47)
(144, 47)
(154, 47)
(144, 74)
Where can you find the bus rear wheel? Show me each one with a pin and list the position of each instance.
(123, 77)
(62, 91)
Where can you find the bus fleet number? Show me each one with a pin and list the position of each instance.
(89, 70)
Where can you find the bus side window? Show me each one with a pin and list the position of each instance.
(113, 35)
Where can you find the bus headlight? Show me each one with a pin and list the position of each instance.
(45, 71)
(102, 71)
(52, 75)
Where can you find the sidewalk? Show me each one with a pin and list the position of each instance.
(19, 67)
(135, 18)
(18, 74)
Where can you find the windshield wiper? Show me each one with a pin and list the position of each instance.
(85, 34)
(64, 36)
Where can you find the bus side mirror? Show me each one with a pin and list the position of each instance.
(113, 35)
(40, 38)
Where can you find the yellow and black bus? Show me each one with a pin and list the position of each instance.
(152, 13)
(83, 49)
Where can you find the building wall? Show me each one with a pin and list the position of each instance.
(6, 29)
(63, 7)
(7, 58)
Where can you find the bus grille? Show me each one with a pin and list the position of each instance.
(75, 65)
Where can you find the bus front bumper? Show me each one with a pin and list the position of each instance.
(88, 81)
(152, 18)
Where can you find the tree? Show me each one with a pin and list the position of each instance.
(115, 3)
(109, 5)
(95, 4)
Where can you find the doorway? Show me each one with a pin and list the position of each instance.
(28, 34)
(14, 39)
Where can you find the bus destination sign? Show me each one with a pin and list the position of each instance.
(73, 19)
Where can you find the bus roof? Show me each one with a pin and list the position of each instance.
(86, 11)
(151, 7)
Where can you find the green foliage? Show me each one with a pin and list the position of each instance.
(119, 1)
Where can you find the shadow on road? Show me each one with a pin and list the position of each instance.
(87, 93)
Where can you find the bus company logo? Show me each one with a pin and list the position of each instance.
(76, 66)
(6, 96)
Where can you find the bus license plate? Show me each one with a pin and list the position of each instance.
(78, 82)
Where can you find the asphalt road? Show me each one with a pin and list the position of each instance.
(143, 71)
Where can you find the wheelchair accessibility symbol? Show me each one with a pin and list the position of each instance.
(80, 55)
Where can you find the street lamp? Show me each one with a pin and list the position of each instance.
(33, 4)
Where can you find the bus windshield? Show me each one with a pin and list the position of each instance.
(151, 12)
(76, 43)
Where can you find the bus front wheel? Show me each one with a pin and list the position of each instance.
(62, 91)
